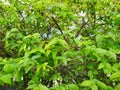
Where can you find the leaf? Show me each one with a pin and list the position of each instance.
(30, 19)
(51, 43)
(55, 62)
(6, 78)
(101, 65)
(48, 52)
(37, 51)
(30, 87)
(86, 83)
(94, 87)
(54, 53)
(88, 50)
(107, 69)
(29, 68)
(56, 77)
(101, 84)
(112, 55)
(62, 59)
(63, 43)
(38, 5)
(117, 87)
(14, 30)
(41, 87)
(23, 47)
(90, 73)
(55, 41)
(8, 68)
(115, 75)
(72, 87)
(58, 87)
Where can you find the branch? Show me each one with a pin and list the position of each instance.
(67, 41)
(82, 26)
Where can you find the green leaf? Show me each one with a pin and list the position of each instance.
(72, 87)
(88, 50)
(41, 87)
(90, 74)
(107, 69)
(94, 87)
(112, 55)
(48, 52)
(54, 42)
(117, 87)
(56, 77)
(58, 87)
(30, 19)
(86, 83)
(6, 78)
(30, 87)
(54, 53)
(101, 84)
(115, 76)
(8, 68)
(101, 65)
(38, 5)
(51, 43)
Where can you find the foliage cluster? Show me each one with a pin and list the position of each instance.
(60, 44)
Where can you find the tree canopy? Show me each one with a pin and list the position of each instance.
(60, 44)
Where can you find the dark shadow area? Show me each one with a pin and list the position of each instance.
(1, 88)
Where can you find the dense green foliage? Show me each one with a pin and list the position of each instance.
(60, 44)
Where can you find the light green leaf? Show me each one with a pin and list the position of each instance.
(101, 84)
(115, 75)
(90, 74)
(9, 68)
(58, 87)
(38, 5)
(86, 83)
(88, 50)
(41, 87)
(30, 87)
(101, 65)
(94, 87)
(72, 87)
(112, 55)
(48, 52)
(51, 43)
(6, 78)
(107, 69)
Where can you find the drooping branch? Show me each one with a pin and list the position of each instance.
(67, 41)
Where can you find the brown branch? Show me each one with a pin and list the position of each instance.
(67, 41)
